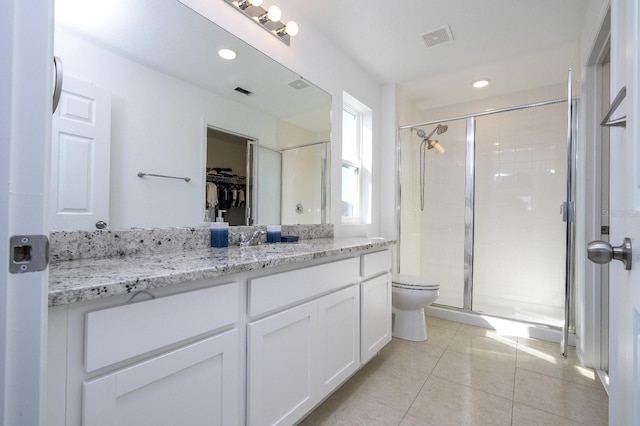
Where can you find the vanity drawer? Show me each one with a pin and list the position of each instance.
(376, 263)
(116, 334)
(268, 294)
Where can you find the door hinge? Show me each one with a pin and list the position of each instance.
(28, 253)
(567, 210)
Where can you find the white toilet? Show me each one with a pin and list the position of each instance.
(410, 295)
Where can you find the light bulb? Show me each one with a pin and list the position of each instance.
(274, 14)
(291, 28)
(227, 54)
(480, 83)
(255, 3)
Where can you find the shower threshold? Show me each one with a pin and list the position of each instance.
(502, 326)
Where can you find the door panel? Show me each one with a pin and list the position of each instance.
(624, 362)
(282, 351)
(194, 385)
(339, 329)
(81, 141)
(376, 315)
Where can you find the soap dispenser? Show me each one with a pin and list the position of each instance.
(220, 231)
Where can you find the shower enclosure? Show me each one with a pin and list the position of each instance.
(480, 213)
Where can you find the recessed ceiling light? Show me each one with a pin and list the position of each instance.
(227, 54)
(480, 83)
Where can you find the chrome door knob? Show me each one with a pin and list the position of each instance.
(603, 252)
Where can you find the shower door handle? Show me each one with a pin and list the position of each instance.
(602, 252)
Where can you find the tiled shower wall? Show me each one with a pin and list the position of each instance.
(520, 236)
(520, 184)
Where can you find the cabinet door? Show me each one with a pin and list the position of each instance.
(376, 315)
(282, 351)
(339, 332)
(194, 385)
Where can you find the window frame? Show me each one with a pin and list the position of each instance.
(363, 118)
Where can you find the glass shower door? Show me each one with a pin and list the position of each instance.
(264, 186)
(519, 238)
(432, 223)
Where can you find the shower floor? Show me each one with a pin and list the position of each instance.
(518, 310)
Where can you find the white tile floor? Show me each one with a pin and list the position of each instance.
(465, 375)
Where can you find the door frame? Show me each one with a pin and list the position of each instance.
(591, 309)
(26, 61)
(248, 218)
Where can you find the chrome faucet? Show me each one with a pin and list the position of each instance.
(244, 242)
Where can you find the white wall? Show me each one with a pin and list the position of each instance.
(311, 55)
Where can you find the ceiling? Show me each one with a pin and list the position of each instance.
(516, 44)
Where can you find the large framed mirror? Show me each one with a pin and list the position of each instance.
(143, 86)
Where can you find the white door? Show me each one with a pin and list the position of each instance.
(80, 157)
(26, 65)
(624, 363)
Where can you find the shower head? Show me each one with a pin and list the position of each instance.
(439, 129)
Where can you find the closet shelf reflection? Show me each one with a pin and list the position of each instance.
(234, 180)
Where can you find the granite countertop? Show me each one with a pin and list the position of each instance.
(74, 281)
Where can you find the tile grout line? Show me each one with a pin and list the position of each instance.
(429, 375)
(515, 375)
(571, 382)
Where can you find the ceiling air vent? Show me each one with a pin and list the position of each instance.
(437, 36)
(299, 84)
(243, 91)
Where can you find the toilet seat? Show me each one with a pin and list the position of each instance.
(416, 287)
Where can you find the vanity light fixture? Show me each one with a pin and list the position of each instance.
(478, 84)
(269, 19)
(243, 4)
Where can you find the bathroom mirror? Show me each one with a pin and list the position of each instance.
(146, 77)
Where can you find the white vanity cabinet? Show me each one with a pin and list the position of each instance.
(193, 385)
(375, 302)
(298, 355)
(243, 349)
(174, 359)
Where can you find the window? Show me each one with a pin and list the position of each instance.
(356, 161)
